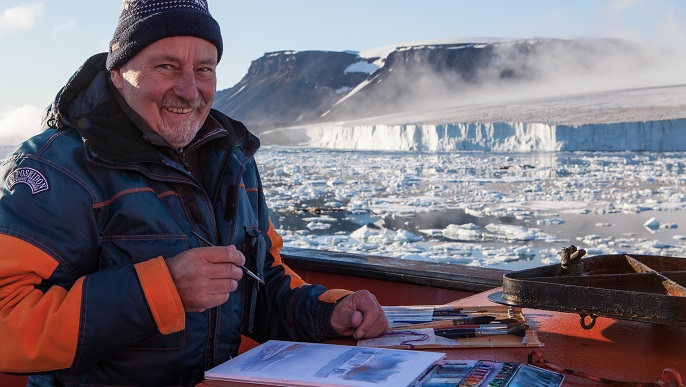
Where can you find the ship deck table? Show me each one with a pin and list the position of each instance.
(622, 350)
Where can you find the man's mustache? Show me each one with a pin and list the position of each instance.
(177, 102)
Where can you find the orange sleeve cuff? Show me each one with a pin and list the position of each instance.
(163, 298)
(332, 296)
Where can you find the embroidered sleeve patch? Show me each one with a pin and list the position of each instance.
(29, 176)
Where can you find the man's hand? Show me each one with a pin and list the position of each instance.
(205, 276)
(359, 315)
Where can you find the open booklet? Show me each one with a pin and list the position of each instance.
(444, 326)
(283, 363)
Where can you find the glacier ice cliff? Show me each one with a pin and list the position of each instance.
(661, 135)
(638, 119)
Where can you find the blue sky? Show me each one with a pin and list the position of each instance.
(44, 42)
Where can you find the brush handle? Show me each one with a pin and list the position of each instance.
(463, 333)
(446, 309)
(245, 269)
(478, 320)
(483, 330)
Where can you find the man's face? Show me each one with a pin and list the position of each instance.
(171, 84)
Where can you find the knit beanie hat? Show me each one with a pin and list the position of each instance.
(143, 22)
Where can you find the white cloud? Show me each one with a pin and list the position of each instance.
(22, 17)
(620, 6)
(672, 30)
(68, 24)
(18, 124)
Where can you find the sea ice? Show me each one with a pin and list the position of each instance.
(462, 208)
(417, 204)
(652, 224)
(466, 232)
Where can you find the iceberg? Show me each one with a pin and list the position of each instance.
(657, 136)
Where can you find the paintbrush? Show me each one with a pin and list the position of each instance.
(479, 320)
(447, 321)
(245, 269)
(516, 329)
(447, 309)
(488, 318)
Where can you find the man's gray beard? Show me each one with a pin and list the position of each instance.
(181, 135)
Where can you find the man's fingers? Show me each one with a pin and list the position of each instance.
(359, 315)
(355, 319)
(205, 276)
(367, 321)
(222, 286)
(223, 271)
(375, 323)
(221, 254)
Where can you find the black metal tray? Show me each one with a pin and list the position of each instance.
(644, 288)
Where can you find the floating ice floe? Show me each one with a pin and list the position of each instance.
(362, 233)
(630, 208)
(305, 242)
(550, 221)
(652, 224)
(465, 232)
(336, 240)
(317, 225)
(380, 195)
(512, 233)
(431, 232)
(655, 244)
(406, 236)
(413, 257)
(365, 247)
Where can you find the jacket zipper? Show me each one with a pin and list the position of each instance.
(213, 312)
(184, 162)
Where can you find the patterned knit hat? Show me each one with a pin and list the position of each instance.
(143, 22)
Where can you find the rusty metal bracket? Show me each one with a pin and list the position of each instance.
(646, 288)
(583, 320)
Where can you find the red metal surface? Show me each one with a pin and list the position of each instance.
(619, 350)
(12, 381)
(387, 293)
(613, 349)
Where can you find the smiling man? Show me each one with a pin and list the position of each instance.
(107, 276)
(171, 84)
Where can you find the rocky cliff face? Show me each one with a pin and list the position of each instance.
(282, 88)
(288, 88)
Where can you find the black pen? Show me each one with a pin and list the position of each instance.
(245, 269)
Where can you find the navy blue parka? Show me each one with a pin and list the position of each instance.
(90, 210)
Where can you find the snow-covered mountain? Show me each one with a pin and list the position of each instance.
(485, 94)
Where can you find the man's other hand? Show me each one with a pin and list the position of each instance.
(205, 276)
(359, 315)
